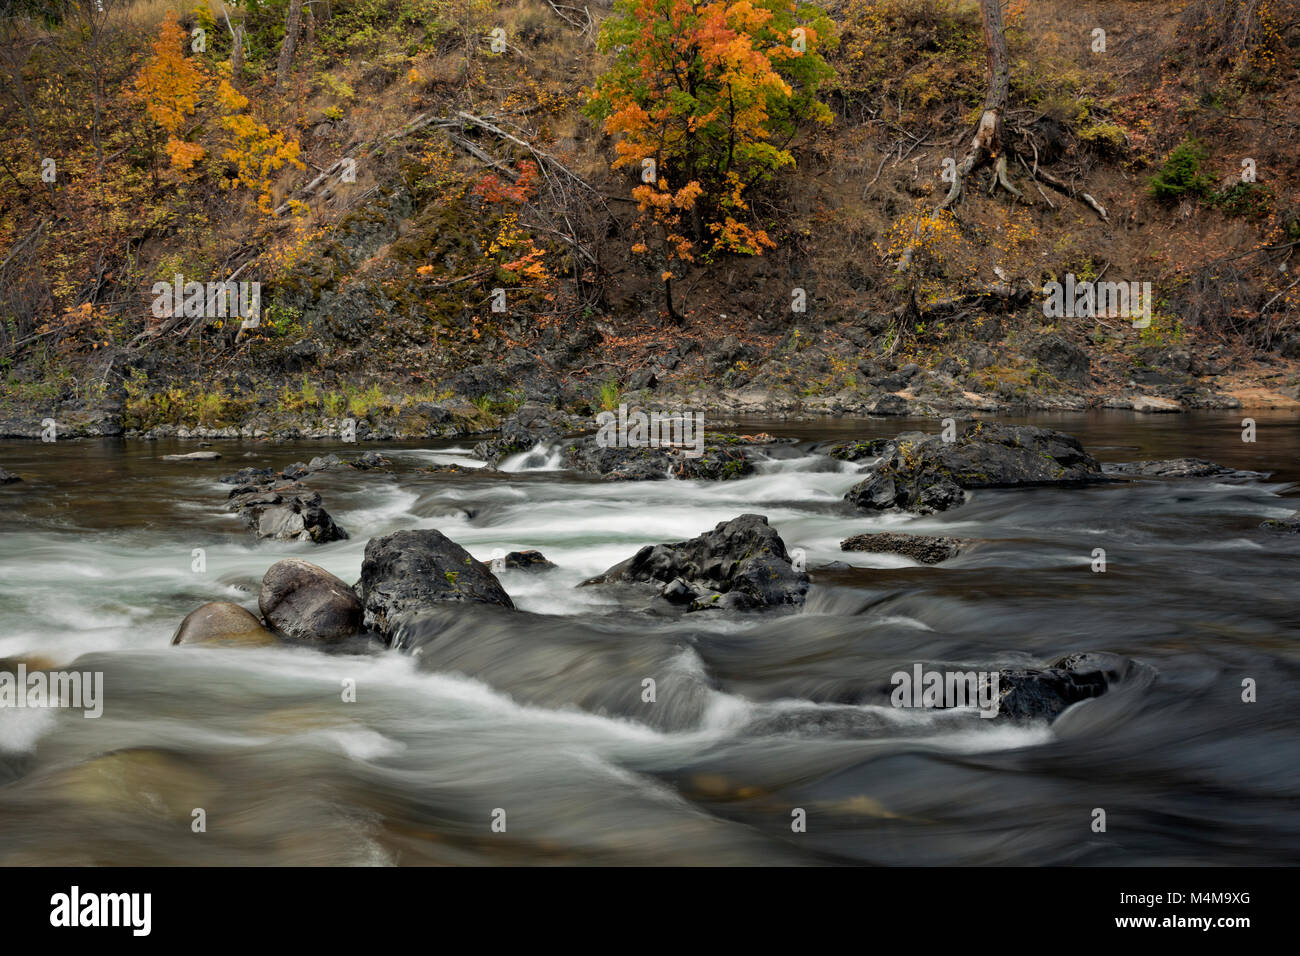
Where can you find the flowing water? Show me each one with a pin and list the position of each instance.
(540, 713)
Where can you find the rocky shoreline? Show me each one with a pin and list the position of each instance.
(1168, 381)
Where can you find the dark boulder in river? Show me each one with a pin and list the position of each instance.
(713, 463)
(1178, 468)
(741, 563)
(369, 460)
(307, 603)
(222, 623)
(853, 450)
(924, 548)
(298, 517)
(408, 571)
(249, 476)
(8, 477)
(929, 474)
(526, 561)
(1029, 692)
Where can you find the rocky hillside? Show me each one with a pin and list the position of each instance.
(431, 202)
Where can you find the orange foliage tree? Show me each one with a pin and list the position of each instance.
(706, 99)
(169, 85)
(256, 151)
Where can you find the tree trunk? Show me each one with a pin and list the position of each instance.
(237, 53)
(987, 143)
(989, 134)
(292, 26)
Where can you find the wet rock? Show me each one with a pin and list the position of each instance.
(243, 496)
(295, 471)
(741, 563)
(1288, 525)
(929, 474)
(927, 549)
(717, 462)
(1177, 468)
(305, 602)
(222, 623)
(8, 477)
(409, 571)
(297, 518)
(249, 476)
(194, 456)
(514, 437)
(618, 464)
(324, 463)
(526, 561)
(369, 460)
(852, 450)
(1028, 692)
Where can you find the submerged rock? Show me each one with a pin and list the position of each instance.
(306, 603)
(1178, 468)
(741, 563)
(927, 549)
(929, 474)
(409, 571)
(1289, 525)
(222, 623)
(1028, 692)
(8, 477)
(194, 456)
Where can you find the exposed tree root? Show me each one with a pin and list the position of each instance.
(989, 142)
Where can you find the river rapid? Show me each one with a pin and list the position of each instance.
(538, 717)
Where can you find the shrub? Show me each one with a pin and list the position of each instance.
(1181, 175)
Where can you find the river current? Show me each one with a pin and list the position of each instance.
(537, 720)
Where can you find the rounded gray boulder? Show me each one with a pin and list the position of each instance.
(222, 623)
(305, 602)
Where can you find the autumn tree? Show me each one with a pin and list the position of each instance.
(170, 85)
(706, 99)
(256, 151)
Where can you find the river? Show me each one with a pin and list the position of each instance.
(537, 718)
